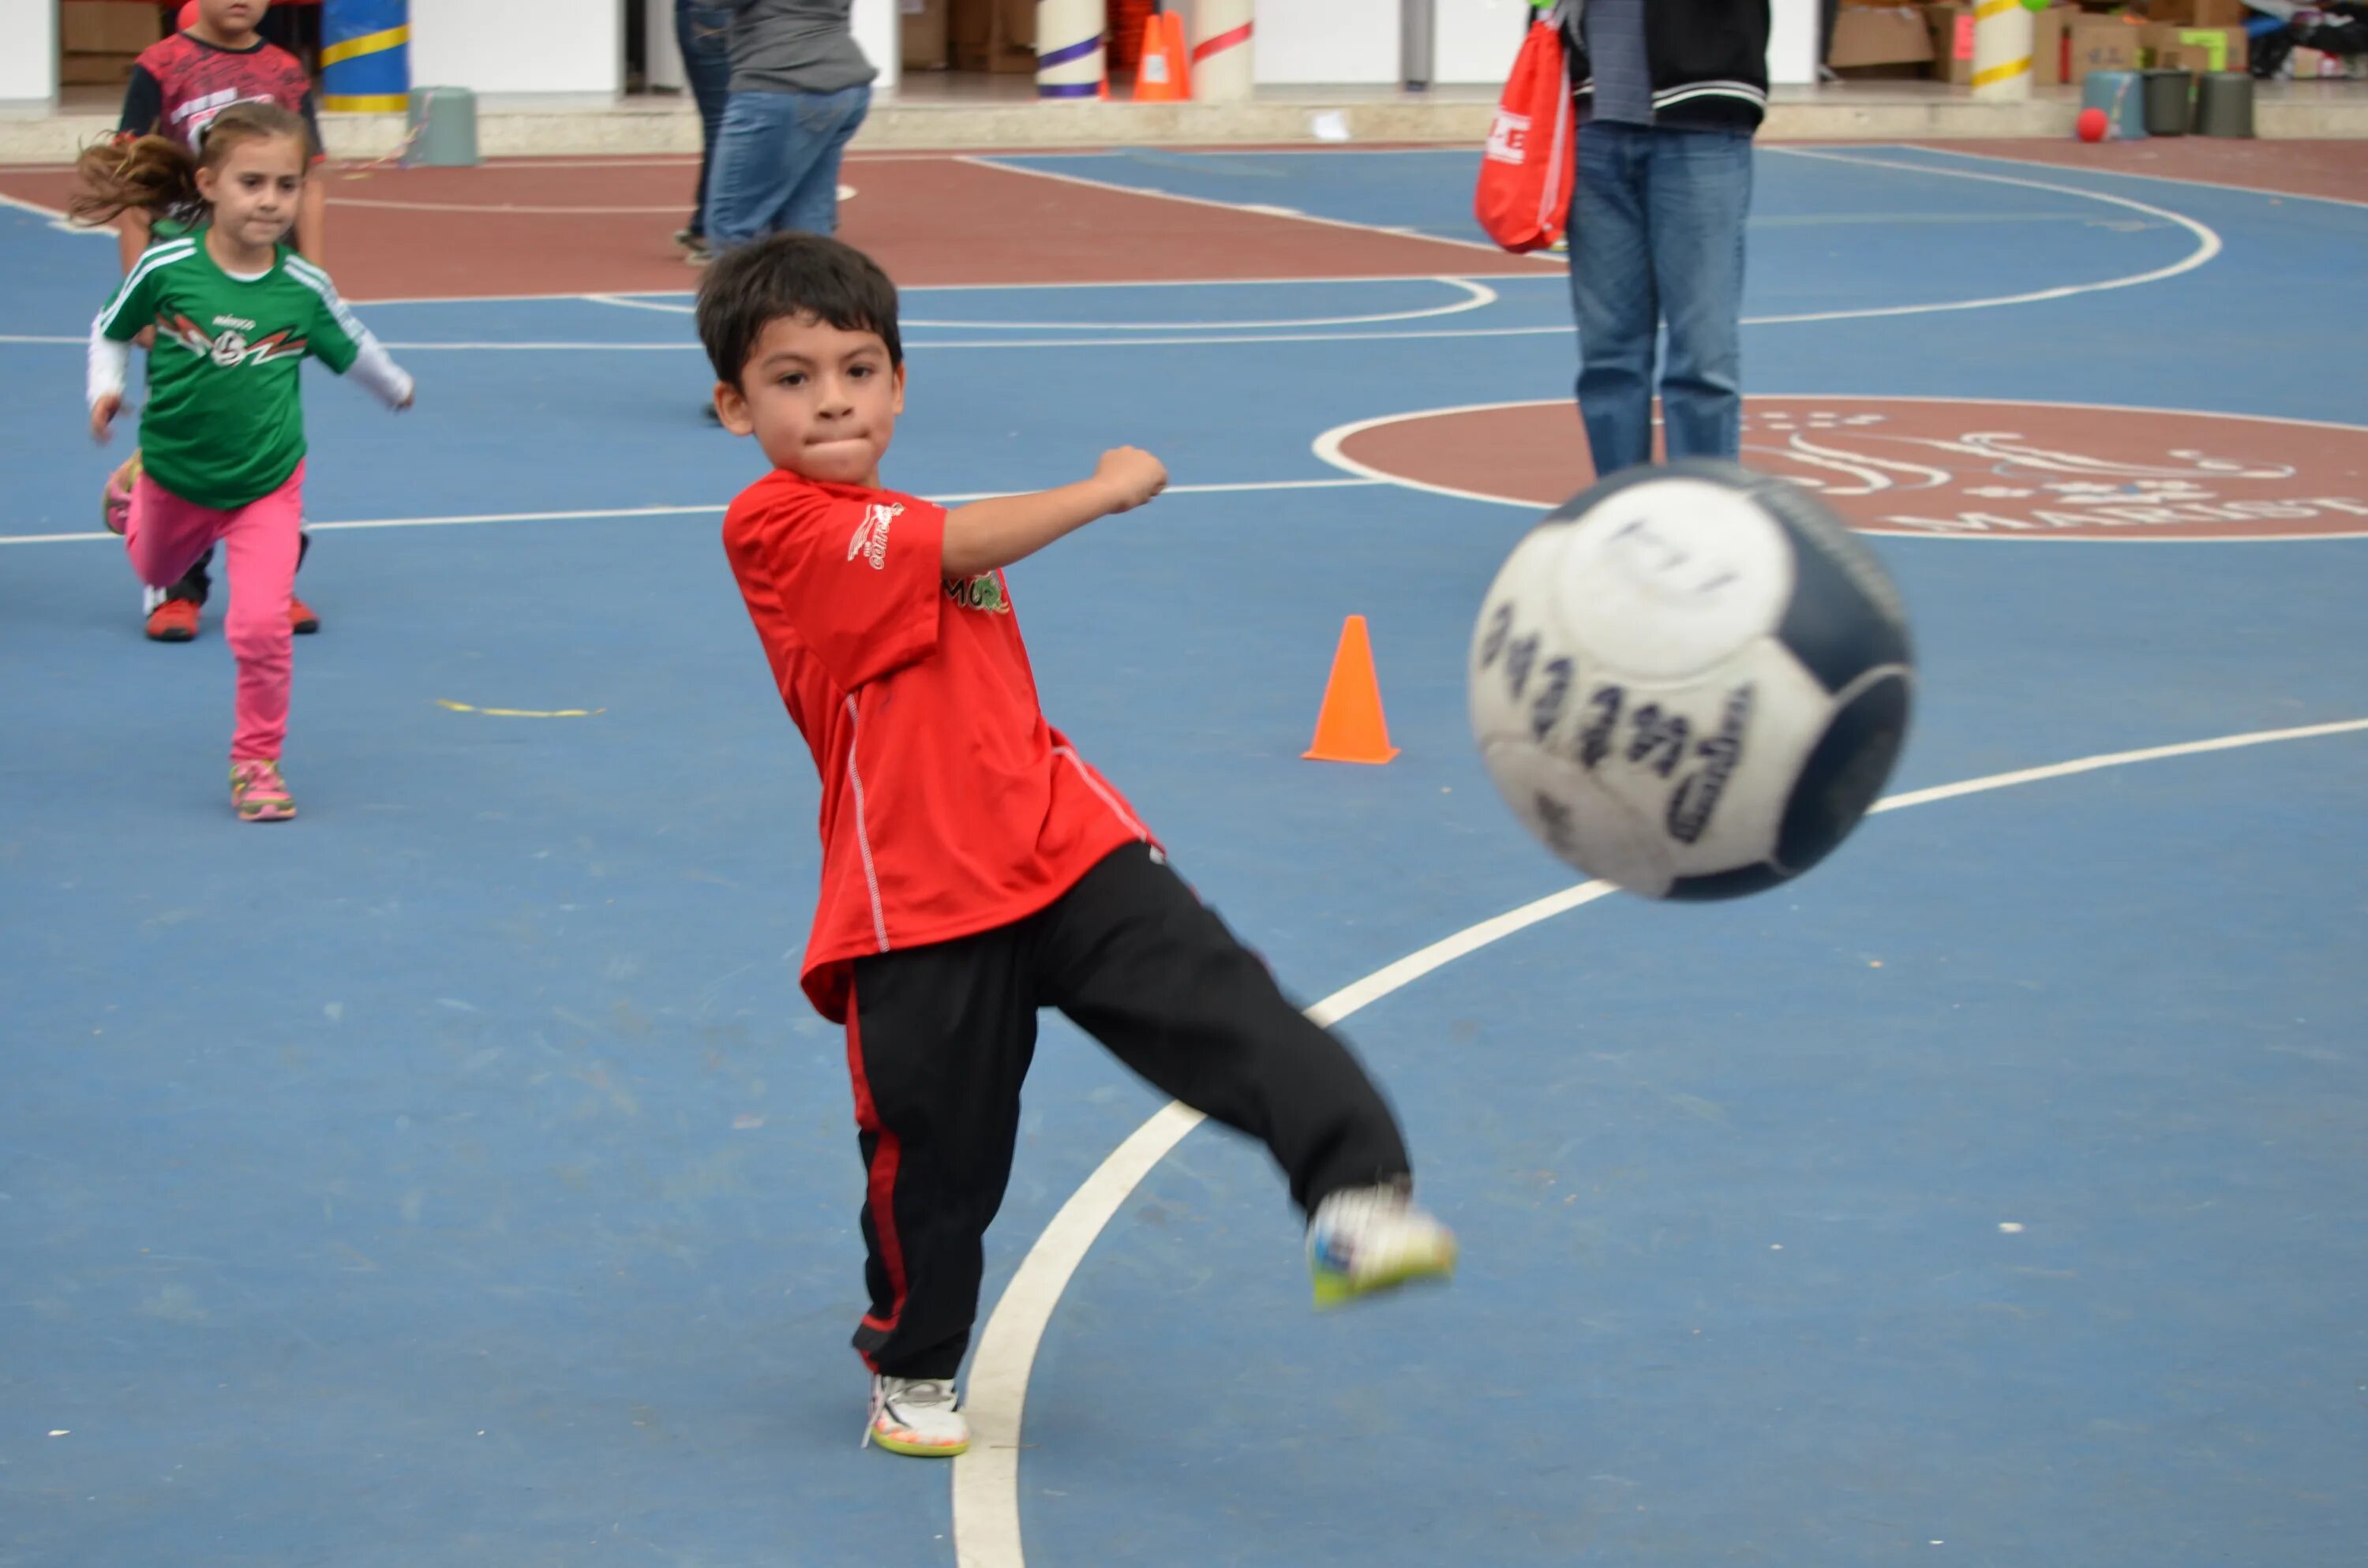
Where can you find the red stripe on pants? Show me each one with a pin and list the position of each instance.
(880, 1193)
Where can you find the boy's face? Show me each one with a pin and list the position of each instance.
(821, 401)
(231, 18)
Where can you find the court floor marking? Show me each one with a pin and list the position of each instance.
(1476, 296)
(987, 1479)
(1329, 447)
(710, 509)
(2191, 182)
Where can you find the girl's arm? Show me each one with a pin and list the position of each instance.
(375, 368)
(110, 362)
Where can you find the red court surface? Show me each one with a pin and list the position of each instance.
(1926, 467)
(603, 226)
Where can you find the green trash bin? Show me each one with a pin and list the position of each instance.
(443, 123)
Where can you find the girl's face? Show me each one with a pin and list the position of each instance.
(254, 189)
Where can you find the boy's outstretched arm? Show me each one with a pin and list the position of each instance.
(988, 534)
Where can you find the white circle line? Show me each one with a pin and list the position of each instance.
(987, 1479)
(2207, 243)
(1329, 447)
(1476, 296)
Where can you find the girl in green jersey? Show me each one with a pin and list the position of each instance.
(222, 434)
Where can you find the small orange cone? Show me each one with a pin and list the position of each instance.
(1352, 728)
(1164, 74)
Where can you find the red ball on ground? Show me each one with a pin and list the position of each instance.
(2092, 125)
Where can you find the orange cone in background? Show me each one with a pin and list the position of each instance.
(1164, 74)
(1350, 728)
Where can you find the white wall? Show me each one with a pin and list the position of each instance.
(879, 35)
(518, 46)
(1474, 41)
(1316, 41)
(1791, 42)
(1326, 41)
(583, 69)
(28, 66)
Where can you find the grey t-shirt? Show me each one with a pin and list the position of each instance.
(795, 46)
(1615, 48)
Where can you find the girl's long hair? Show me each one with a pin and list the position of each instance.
(159, 176)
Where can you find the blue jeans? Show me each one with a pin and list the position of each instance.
(704, 32)
(1657, 235)
(777, 163)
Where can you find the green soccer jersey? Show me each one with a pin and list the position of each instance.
(224, 419)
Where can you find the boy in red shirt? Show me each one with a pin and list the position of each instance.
(217, 57)
(975, 867)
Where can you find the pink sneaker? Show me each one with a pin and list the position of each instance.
(257, 793)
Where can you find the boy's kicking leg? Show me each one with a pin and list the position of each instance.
(938, 1038)
(1141, 964)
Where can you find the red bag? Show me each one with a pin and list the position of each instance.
(1525, 174)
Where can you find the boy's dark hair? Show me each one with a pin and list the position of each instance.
(792, 275)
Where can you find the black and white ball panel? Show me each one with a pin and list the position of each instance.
(1690, 681)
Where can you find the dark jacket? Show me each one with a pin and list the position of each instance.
(1709, 60)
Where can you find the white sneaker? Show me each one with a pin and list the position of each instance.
(921, 1416)
(1372, 1238)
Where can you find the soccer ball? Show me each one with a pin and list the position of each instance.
(1690, 681)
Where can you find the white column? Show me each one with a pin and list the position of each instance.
(1070, 56)
(1224, 29)
(2001, 50)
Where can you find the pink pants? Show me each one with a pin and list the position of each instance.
(166, 534)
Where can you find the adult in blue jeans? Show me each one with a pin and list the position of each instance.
(703, 29)
(800, 89)
(1669, 93)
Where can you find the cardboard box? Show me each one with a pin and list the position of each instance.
(923, 42)
(107, 26)
(1951, 26)
(96, 70)
(2100, 44)
(993, 35)
(2048, 29)
(1878, 35)
(2198, 12)
(2212, 49)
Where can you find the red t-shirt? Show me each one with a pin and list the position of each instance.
(949, 805)
(180, 82)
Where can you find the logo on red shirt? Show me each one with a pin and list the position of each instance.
(870, 540)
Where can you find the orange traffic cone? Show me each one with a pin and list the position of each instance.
(1352, 728)
(1165, 74)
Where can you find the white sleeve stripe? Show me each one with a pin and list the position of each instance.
(313, 277)
(160, 255)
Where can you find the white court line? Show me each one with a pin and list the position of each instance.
(846, 193)
(2272, 194)
(987, 1479)
(956, 499)
(2207, 242)
(1328, 448)
(1476, 296)
(499, 208)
